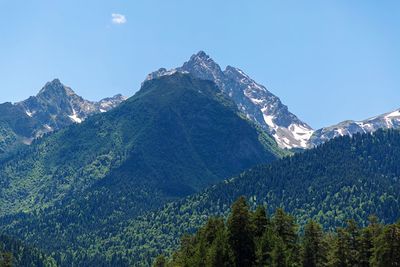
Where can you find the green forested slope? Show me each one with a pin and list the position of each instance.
(173, 138)
(346, 178)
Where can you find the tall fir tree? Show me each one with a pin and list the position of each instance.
(240, 236)
(286, 229)
(387, 248)
(315, 249)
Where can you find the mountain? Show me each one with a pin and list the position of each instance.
(390, 120)
(54, 107)
(254, 100)
(174, 137)
(267, 110)
(342, 179)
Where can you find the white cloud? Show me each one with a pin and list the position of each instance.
(118, 18)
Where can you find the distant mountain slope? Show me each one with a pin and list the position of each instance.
(390, 120)
(341, 179)
(54, 107)
(175, 136)
(253, 99)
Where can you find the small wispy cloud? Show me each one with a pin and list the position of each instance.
(118, 18)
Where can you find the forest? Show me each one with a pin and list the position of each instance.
(254, 238)
(16, 253)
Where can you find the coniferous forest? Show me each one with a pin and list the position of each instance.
(255, 238)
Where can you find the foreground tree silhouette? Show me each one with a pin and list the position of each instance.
(314, 246)
(387, 249)
(240, 236)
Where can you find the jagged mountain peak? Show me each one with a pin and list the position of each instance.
(54, 107)
(251, 98)
(201, 56)
(55, 87)
(204, 67)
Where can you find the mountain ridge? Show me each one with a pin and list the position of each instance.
(252, 99)
(54, 107)
(389, 120)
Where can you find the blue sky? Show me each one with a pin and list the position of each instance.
(327, 60)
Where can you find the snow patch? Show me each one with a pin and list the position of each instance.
(393, 114)
(74, 117)
(29, 113)
(269, 120)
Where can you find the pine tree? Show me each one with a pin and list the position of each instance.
(314, 247)
(387, 248)
(286, 229)
(353, 243)
(240, 236)
(218, 254)
(279, 254)
(260, 221)
(265, 247)
(367, 241)
(340, 251)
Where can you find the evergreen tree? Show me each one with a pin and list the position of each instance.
(279, 254)
(367, 241)
(219, 253)
(340, 251)
(265, 247)
(260, 221)
(387, 248)
(240, 236)
(353, 234)
(286, 229)
(314, 248)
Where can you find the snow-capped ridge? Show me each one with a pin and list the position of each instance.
(390, 120)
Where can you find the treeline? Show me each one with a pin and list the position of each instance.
(253, 238)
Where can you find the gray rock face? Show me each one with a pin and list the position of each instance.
(57, 106)
(54, 107)
(252, 99)
(385, 121)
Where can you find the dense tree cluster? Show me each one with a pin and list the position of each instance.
(15, 253)
(252, 238)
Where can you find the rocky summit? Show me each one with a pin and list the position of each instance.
(253, 99)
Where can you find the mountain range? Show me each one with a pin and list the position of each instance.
(267, 110)
(53, 108)
(57, 106)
